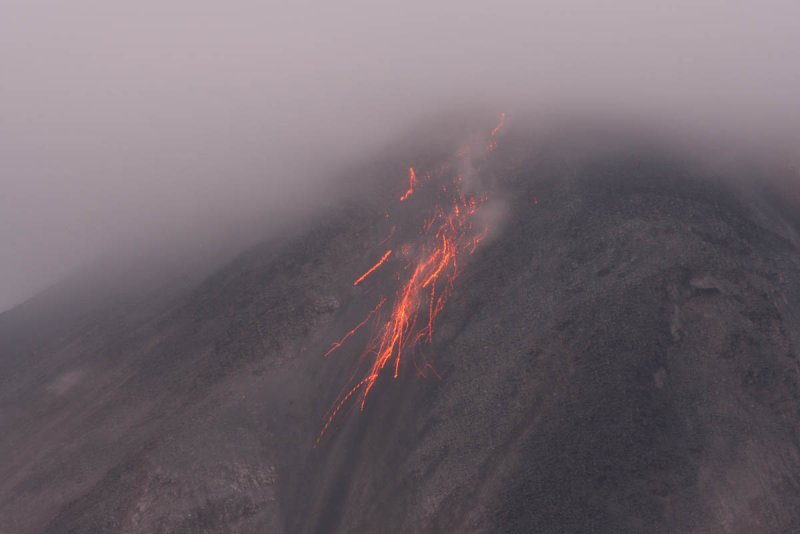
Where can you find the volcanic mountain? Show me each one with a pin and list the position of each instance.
(498, 334)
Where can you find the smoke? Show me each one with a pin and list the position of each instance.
(194, 125)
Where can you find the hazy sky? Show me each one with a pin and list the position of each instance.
(123, 121)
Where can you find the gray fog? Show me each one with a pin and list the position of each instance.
(153, 125)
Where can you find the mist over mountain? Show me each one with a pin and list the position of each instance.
(616, 353)
(159, 125)
(435, 266)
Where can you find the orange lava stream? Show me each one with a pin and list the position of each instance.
(337, 408)
(447, 237)
(438, 266)
(412, 182)
(374, 267)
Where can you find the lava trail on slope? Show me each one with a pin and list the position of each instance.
(425, 271)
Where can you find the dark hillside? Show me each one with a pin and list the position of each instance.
(619, 355)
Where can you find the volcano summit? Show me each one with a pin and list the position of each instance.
(501, 332)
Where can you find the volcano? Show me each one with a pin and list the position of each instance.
(497, 333)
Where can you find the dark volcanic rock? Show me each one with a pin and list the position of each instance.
(620, 356)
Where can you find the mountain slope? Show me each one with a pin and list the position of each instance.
(619, 355)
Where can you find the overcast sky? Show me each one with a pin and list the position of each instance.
(129, 120)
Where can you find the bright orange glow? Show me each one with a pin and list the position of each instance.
(430, 266)
(412, 182)
(373, 268)
(436, 269)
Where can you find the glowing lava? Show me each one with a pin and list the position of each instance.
(412, 182)
(432, 264)
(374, 267)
